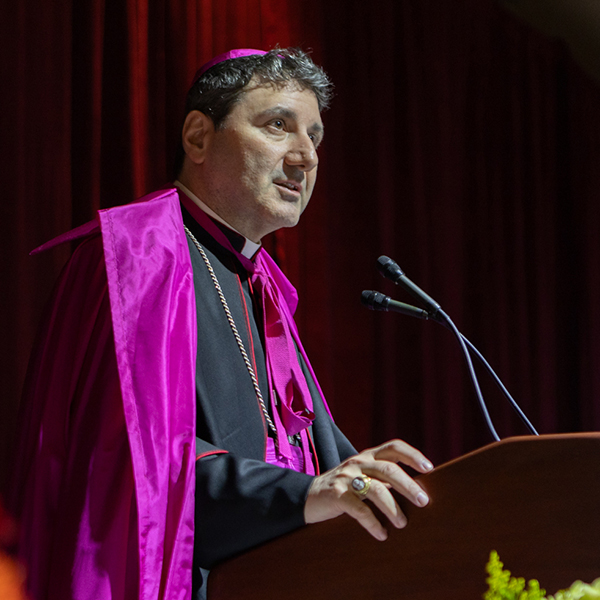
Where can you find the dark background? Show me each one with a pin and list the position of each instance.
(462, 142)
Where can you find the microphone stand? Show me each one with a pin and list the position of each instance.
(377, 301)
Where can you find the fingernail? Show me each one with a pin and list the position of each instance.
(401, 522)
(422, 499)
(427, 466)
(382, 535)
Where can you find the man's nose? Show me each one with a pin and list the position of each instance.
(302, 154)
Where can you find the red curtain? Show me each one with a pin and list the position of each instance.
(93, 100)
(461, 143)
(465, 146)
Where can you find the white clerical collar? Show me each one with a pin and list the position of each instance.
(250, 248)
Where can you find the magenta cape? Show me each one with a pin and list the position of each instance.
(105, 471)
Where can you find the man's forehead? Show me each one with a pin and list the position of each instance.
(278, 97)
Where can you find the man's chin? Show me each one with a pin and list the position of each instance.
(282, 222)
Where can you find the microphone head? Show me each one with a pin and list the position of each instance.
(373, 300)
(389, 269)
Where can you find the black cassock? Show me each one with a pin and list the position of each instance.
(241, 501)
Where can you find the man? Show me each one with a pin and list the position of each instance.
(173, 417)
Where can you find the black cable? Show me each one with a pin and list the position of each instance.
(486, 415)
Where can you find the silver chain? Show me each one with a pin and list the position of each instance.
(234, 329)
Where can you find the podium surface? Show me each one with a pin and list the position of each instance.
(535, 500)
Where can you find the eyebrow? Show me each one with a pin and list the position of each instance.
(281, 111)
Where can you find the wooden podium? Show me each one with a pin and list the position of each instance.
(536, 500)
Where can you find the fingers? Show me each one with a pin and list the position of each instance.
(352, 504)
(400, 451)
(374, 464)
(380, 496)
(331, 493)
(358, 510)
(380, 463)
(391, 474)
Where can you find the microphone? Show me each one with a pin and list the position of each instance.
(377, 301)
(484, 410)
(390, 270)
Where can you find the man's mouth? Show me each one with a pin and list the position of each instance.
(293, 186)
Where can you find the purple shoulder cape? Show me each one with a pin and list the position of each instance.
(105, 479)
(105, 474)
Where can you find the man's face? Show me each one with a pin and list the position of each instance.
(261, 165)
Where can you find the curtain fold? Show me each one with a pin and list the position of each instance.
(35, 130)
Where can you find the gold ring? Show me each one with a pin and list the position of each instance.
(361, 485)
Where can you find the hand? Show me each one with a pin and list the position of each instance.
(331, 493)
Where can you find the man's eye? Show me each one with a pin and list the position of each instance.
(277, 123)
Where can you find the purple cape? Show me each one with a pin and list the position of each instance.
(105, 480)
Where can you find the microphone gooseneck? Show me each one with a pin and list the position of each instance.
(376, 301)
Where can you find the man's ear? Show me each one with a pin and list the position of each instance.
(196, 134)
